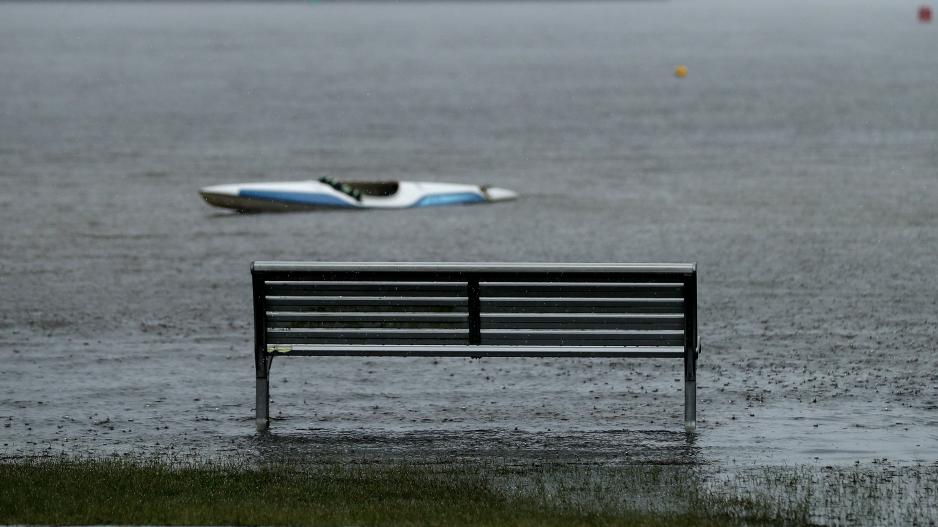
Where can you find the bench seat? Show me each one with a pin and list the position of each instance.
(474, 351)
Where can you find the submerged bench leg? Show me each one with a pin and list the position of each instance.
(690, 391)
(262, 404)
(262, 407)
(691, 349)
(690, 388)
(690, 406)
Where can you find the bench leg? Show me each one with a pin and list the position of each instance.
(690, 405)
(262, 406)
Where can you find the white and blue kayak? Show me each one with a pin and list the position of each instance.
(328, 193)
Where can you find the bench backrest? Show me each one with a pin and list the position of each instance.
(349, 304)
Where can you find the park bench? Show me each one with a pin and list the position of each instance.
(475, 310)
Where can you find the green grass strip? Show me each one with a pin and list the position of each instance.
(116, 492)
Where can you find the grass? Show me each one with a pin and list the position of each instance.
(65, 491)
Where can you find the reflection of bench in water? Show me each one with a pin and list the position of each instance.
(475, 310)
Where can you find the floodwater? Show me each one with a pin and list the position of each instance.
(797, 164)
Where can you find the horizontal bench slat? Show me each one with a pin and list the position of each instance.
(584, 285)
(354, 350)
(366, 284)
(426, 268)
(561, 301)
(583, 337)
(376, 332)
(584, 290)
(375, 341)
(364, 324)
(489, 337)
(580, 305)
(341, 288)
(582, 320)
(580, 341)
(278, 301)
(365, 335)
(374, 308)
(609, 332)
(565, 321)
(352, 316)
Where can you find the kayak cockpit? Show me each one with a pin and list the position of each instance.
(377, 189)
(360, 189)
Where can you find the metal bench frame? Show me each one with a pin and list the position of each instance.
(472, 274)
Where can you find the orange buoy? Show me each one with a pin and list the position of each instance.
(924, 14)
(680, 71)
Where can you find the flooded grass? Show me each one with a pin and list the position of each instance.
(432, 492)
(90, 492)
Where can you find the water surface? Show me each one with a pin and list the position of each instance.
(796, 164)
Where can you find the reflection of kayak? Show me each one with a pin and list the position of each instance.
(328, 193)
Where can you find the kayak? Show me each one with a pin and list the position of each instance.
(328, 193)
